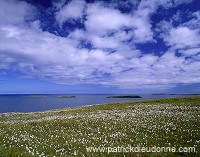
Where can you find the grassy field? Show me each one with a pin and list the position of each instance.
(67, 132)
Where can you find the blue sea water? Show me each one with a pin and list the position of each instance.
(24, 103)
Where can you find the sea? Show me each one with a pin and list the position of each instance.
(29, 103)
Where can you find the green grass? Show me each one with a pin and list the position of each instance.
(67, 132)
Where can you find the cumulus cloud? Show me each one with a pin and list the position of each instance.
(15, 12)
(190, 52)
(183, 37)
(113, 57)
(99, 19)
(73, 10)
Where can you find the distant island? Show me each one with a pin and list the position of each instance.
(175, 94)
(125, 96)
(65, 96)
(185, 94)
(36, 96)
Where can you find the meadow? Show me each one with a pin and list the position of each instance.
(173, 122)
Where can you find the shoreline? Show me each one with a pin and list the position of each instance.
(74, 107)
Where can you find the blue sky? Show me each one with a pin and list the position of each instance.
(96, 46)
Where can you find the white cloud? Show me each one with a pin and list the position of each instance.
(73, 10)
(142, 32)
(15, 12)
(43, 55)
(103, 42)
(101, 20)
(183, 37)
(190, 52)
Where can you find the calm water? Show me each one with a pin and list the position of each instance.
(22, 103)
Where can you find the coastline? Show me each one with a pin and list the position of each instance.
(40, 103)
(135, 100)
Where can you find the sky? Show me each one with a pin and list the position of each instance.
(99, 46)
